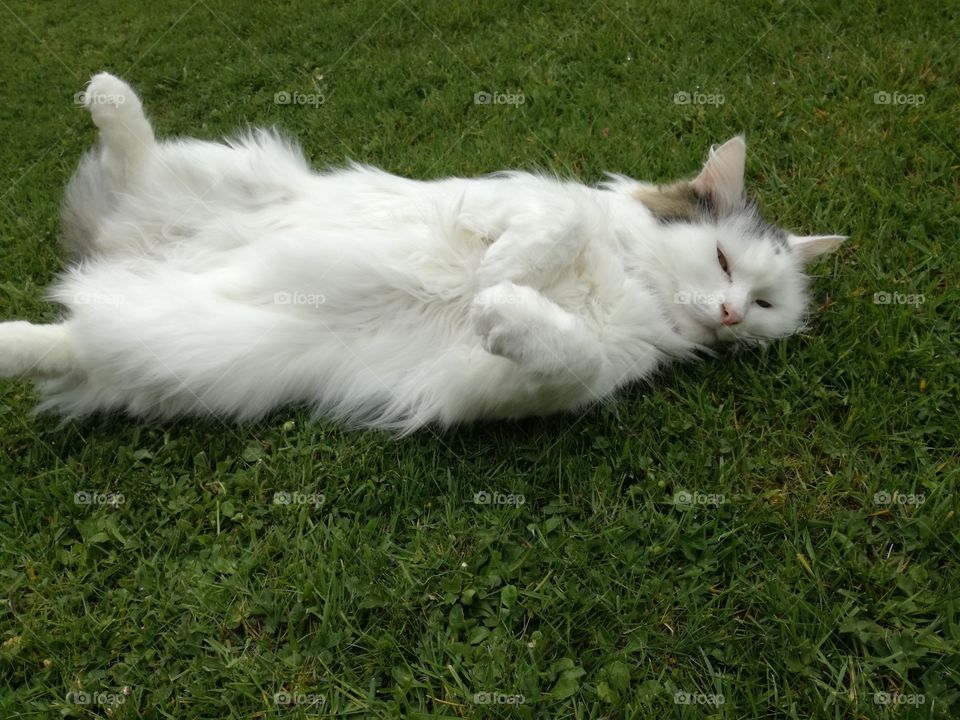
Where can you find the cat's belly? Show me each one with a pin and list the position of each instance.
(363, 316)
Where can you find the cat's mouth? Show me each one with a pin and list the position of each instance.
(720, 333)
(701, 331)
(727, 334)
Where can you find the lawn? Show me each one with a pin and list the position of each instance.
(769, 534)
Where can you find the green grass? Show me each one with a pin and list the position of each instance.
(799, 595)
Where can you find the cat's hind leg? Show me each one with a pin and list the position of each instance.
(126, 136)
(34, 351)
(121, 156)
(519, 323)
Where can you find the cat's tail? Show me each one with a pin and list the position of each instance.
(125, 149)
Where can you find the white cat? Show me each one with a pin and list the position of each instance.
(231, 279)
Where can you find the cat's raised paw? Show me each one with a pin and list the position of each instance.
(505, 317)
(107, 96)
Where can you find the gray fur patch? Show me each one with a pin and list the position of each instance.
(678, 202)
(763, 228)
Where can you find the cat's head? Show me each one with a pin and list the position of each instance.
(732, 275)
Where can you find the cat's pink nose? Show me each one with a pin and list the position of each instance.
(730, 317)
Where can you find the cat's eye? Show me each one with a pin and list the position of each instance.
(723, 261)
(763, 303)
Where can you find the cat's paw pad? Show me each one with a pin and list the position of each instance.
(500, 316)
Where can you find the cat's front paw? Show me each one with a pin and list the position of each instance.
(505, 317)
(521, 324)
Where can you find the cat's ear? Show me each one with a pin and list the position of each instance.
(721, 179)
(809, 247)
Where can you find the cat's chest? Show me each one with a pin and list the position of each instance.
(600, 288)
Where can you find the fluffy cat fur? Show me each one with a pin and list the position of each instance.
(231, 279)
